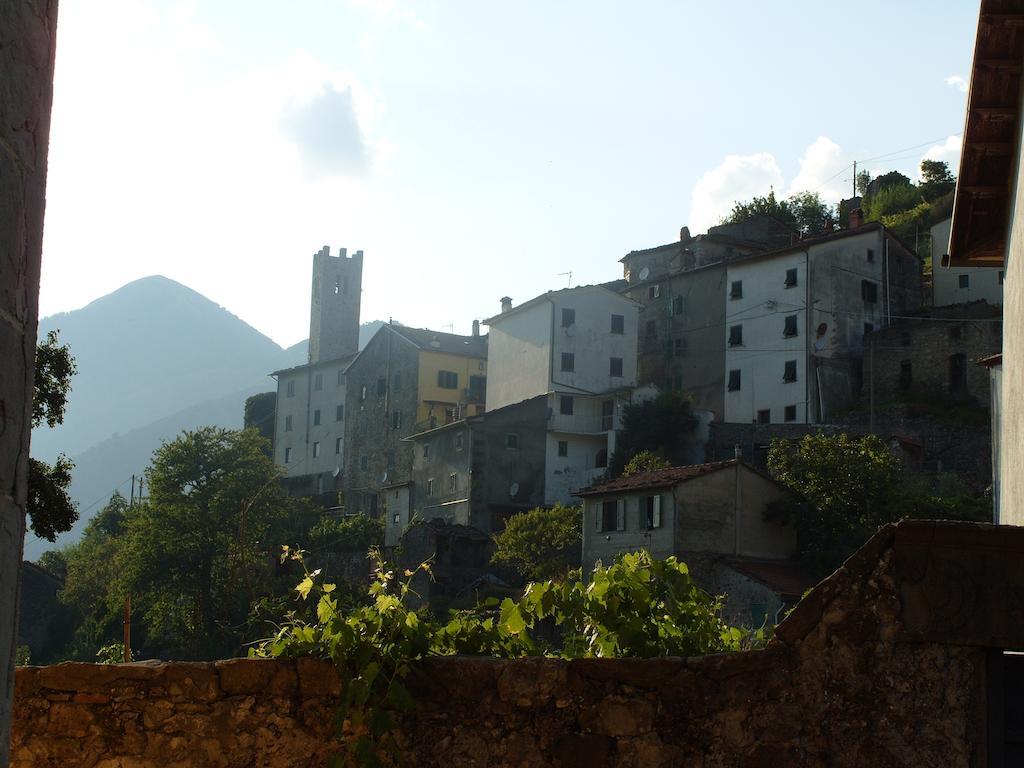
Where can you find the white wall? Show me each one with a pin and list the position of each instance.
(983, 283)
(518, 356)
(761, 359)
(302, 407)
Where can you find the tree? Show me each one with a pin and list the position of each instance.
(200, 549)
(664, 426)
(936, 179)
(766, 205)
(50, 508)
(645, 461)
(543, 543)
(259, 414)
(811, 214)
(863, 182)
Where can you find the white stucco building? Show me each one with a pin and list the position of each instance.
(787, 363)
(578, 347)
(961, 284)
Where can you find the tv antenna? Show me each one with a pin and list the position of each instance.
(569, 275)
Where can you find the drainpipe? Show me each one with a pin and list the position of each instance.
(737, 499)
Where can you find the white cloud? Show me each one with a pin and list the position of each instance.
(738, 177)
(948, 151)
(389, 11)
(820, 171)
(958, 82)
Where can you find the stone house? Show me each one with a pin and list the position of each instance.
(933, 355)
(987, 230)
(404, 380)
(710, 516)
(797, 317)
(309, 427)
(681, 289)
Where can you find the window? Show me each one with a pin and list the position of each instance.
(396, 419)
(790, 413)
(736, 289)
(362, 392)
(426, 451)
(611, 515)
(568, 362)
(652, 328)
(790, 327)
(765, 416)
(568, 317)
(653, 292)
(341, 377)
(607, 414)
(871, 255)
(677, 347)
(337, 445)
(869, 291)
(318, 382)
(453, 482)
(601, 460)
(371, 500)
(287, 455)
(397, 519)
(396, 381)
(677, 305)
(791, 278)
(316, 418)
(389, 459)
(512, 441)
(734, 380)
(650, 506)
(790, 373)
(906, 374)
(964, 281)
(458, 441)
(382, 386)
(736, 336)
(290, 389)
(287, 423)
(565, 405)
(449, 415)
(618, 324)
(957, 373)
(430, 486)
(364, 463)
(316, 450)
(339, 412)
(615, 366)
(563, 447)
(447, 379)
(477, 387)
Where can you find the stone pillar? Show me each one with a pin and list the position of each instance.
(27, 40)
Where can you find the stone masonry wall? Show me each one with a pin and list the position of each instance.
(875, 667)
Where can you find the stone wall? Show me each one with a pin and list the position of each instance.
(877, 666)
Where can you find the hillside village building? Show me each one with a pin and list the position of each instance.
(784, 363)
(710, 516)
(961, 284)
(309, 418)
(576, 347)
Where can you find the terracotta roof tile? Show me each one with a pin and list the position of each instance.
(658, 478)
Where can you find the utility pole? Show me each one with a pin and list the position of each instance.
(871, 386)
(140, 488)
(131, 499)
(854, 178)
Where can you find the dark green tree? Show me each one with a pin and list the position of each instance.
(936, 179)
(663, 426)
(259, 414)
(645, 461)
(766, 205)
(543, 543)
(50, 508)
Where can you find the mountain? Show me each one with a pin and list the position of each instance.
(154, 358)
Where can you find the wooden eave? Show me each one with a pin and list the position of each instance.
(984, 192)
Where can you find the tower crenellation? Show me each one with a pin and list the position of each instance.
(334, 304)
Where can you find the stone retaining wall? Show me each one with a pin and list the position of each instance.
(875, 667)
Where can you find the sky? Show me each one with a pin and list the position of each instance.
(471, 149)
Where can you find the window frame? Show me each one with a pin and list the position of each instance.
(618, 326)
(568, 317)
(736, 335)
(612, 367)
(734, 381)
(568, 362)
(789, 372)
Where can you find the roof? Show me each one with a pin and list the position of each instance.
(448, 343)
(345, 360)
(546, 296)
(991, 360)
(783, 577)
(984, 189)
(657, 478)
(839, 234)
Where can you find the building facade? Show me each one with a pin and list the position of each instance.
(785, 363)
(962, 284)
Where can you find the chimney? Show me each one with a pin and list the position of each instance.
(856, 218)
(506, 304)
(476, 328)
(684, 235)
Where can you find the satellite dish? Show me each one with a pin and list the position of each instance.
(644, 273)
(384, 477)
(336, 472)
(513, 490)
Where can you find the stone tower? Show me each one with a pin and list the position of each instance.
(334, 306)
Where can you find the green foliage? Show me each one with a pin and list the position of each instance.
(355, 533)
(259, 415)
(863, 180)
(50, 508)
(543, 543)
(638, 607)
(664, 426)
(55, 561)
(112, 653)
(936, 179)
(804, 211)
(22, 656)
(645, 461)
